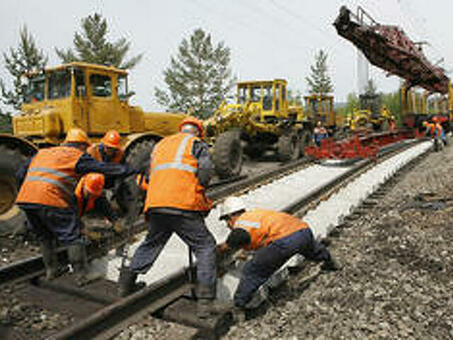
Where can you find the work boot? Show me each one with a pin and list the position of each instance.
(78, 259)
(238, 314)
(50, 259)
(205, 295)
(127, 284)
(331, 264)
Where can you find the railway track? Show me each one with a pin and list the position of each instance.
(108, 314)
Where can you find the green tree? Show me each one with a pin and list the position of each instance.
(5, 122)
(25, 58)
(198, 78)
(393, 102)
(352, 103)
(370, 88)
(91, 45)
(319, 81)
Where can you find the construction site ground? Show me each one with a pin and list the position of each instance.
(396, 280)
(395, 283)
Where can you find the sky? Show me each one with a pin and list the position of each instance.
(268, 38)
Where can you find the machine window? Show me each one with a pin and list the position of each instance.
(101, 86)
(267, 98)
(121, 88)
(255, 94)
(242, 95)
(35, 89)
(59, 84)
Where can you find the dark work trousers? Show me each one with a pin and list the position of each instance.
(48, 222)
(270, 258)
(191, 229)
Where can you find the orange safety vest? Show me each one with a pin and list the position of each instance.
(51, 177)
(173, 181)
(438, 129)
(94, 151)
(79, 196)
(267, 226)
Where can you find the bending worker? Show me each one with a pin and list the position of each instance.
(319, 133)
(275, 236)
(90, 199)
(47, 198)
(109, 149)
(180, 171)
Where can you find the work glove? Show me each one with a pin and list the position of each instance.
(118, 226)
(92, 235)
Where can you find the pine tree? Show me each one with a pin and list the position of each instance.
(25, 58)
(5, 122)
(319, 81)
(92, 46)
(198, 78)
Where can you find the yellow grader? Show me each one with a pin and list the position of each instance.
(262, 119)
(92, 97)
(371, 114)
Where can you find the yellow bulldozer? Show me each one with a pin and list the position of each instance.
(89, 96)
(262, 119)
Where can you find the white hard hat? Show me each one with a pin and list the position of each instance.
(231, 205)
(190, 128)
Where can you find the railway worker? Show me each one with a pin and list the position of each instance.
(319, 133)
(47, 197)
(109, 149)
(89, 197)
(392, 123)
(180, 170)
(275, 236)
(430, 128)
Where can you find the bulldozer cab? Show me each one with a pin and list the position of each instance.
(319, 107)
(268, 97)
(92, 97)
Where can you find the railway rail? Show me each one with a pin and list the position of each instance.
(108, 314)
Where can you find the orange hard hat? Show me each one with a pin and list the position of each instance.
(193, 121)
(76, 135)
(112, 139)
(94, 183)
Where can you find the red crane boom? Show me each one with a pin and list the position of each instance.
(390, 49)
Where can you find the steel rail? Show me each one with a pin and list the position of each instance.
(34, 266)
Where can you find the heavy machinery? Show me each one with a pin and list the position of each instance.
(92, 97)
(389, 48)
(319, 107)
(260, 120)
(371, 114)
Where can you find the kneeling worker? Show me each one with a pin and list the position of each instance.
(90, 198)
(275, 236)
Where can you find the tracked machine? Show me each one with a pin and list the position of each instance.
(92, 97)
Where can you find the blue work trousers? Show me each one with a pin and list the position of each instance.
(48, 223)
(191, 229)
(269, 259)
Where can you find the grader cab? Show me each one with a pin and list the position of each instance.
(92, 97)
(261, 119)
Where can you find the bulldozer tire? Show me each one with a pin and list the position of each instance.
(12, 219)
(305, 140)
(288, 147)
(227, 155)
(139, 158)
